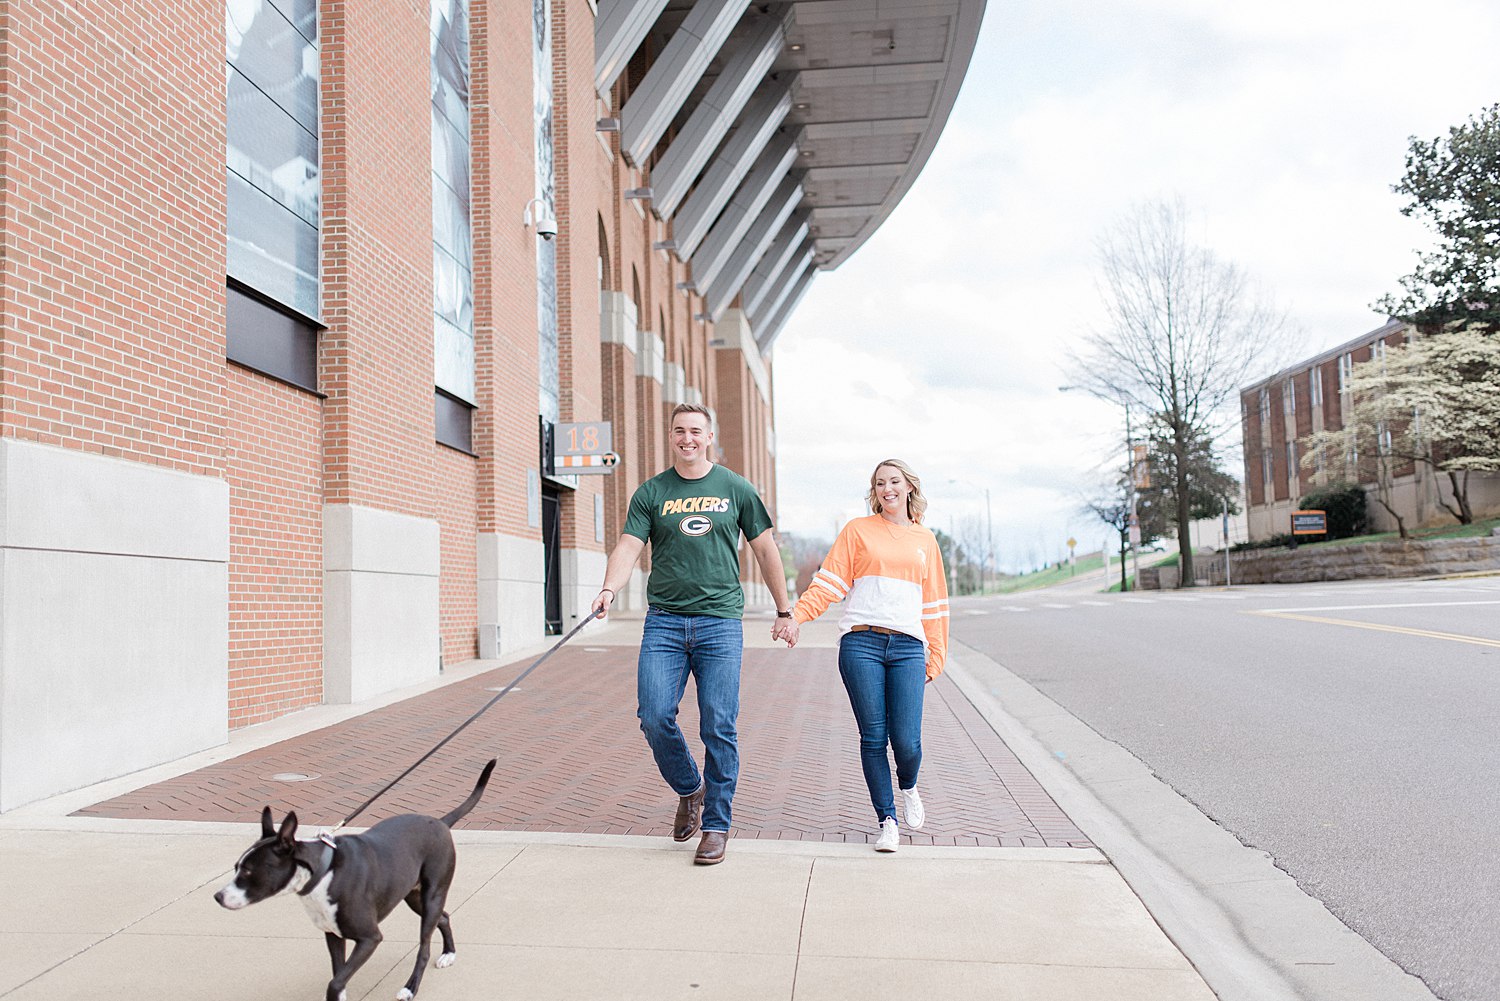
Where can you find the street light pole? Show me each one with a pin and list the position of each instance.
(1135, 523)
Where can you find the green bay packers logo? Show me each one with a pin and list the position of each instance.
(695, 524)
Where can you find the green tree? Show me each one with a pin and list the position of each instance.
(1453, 182)
(1209, 486)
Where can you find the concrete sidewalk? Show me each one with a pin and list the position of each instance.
(124, 908)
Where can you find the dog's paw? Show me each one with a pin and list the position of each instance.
(404, 994)
(446, 960)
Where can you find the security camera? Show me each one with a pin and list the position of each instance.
(546, 227)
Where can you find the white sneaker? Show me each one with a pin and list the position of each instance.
(890, 836)
(911, 809)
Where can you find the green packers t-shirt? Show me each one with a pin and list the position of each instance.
(694, 529)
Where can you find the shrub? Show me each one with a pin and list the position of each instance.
(1345, 504)
(1274, 542)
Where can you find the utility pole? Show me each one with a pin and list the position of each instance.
(1135, 523)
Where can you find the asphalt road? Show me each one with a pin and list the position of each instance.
(1351, 730)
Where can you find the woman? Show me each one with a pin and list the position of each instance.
(887, 570)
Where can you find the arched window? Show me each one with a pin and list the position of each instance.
(604, 269)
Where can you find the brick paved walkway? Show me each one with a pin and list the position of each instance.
(572, 759)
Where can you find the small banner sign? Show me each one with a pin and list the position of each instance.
(1309, 522)
(581, 449)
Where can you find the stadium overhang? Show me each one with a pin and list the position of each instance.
(775, 138)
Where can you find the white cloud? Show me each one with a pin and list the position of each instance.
(944, 339)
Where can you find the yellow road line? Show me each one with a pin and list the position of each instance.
(1404, 630)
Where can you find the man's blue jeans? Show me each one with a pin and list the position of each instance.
(885, 675)
(708, 648)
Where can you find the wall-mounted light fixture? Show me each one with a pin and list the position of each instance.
(546, 225)
(644, 194)
(664, 245)
(686, 287)
(607, 125)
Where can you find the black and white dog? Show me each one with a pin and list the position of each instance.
(350, 883)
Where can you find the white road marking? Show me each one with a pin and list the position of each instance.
(1408, 604)
(1053, 604)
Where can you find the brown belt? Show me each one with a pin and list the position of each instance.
(876, 629)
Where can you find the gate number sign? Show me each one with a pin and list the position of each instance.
(584, 448)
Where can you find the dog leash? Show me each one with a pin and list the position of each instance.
(327, 836)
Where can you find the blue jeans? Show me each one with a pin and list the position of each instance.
(885, 676)
(708, 648)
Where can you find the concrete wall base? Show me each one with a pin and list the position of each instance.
(114, 636)
(512, 608)
(380, 601)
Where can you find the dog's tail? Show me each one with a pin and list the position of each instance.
(473, 800)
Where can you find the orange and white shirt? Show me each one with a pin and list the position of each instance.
(887, 575)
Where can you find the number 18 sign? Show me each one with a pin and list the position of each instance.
(581, 449)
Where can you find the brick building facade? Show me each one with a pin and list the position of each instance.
(270, 423)
(1279, 413)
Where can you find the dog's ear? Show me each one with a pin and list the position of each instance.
(267, 825)
(288, 833)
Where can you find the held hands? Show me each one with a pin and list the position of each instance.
(786, 629)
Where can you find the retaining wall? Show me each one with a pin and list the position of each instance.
(1416, 558)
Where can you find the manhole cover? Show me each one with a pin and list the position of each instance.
(293, 777)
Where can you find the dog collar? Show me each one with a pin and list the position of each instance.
(317, 870)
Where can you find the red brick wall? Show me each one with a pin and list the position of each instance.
(457, 488)
(114, 230)
(376, 357)
(274, 468)
(579, 199)
(505, 325)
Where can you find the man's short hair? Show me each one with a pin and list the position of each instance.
(692, 408)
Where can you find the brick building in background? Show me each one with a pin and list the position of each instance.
(290, 290)
(1279, 413)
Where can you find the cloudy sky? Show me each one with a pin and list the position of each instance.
(1280, 124)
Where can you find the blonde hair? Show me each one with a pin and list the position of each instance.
(916, 504)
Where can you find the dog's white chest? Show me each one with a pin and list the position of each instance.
(323, 911)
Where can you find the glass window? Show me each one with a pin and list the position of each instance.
(1315, 386)
(273, 185)
(452, 239)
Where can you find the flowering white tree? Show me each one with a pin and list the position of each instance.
(1434, 401)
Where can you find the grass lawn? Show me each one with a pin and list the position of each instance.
(1479, 528)
(1051, 575)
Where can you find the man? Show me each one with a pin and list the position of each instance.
(693, 515)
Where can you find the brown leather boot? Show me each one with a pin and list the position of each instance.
(711, 848)
(689, 815)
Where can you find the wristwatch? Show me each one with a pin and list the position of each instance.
(784, 615)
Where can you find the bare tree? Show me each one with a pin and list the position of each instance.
(1184, 330)
(1113, 508)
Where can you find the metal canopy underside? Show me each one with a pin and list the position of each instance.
(872, 85)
